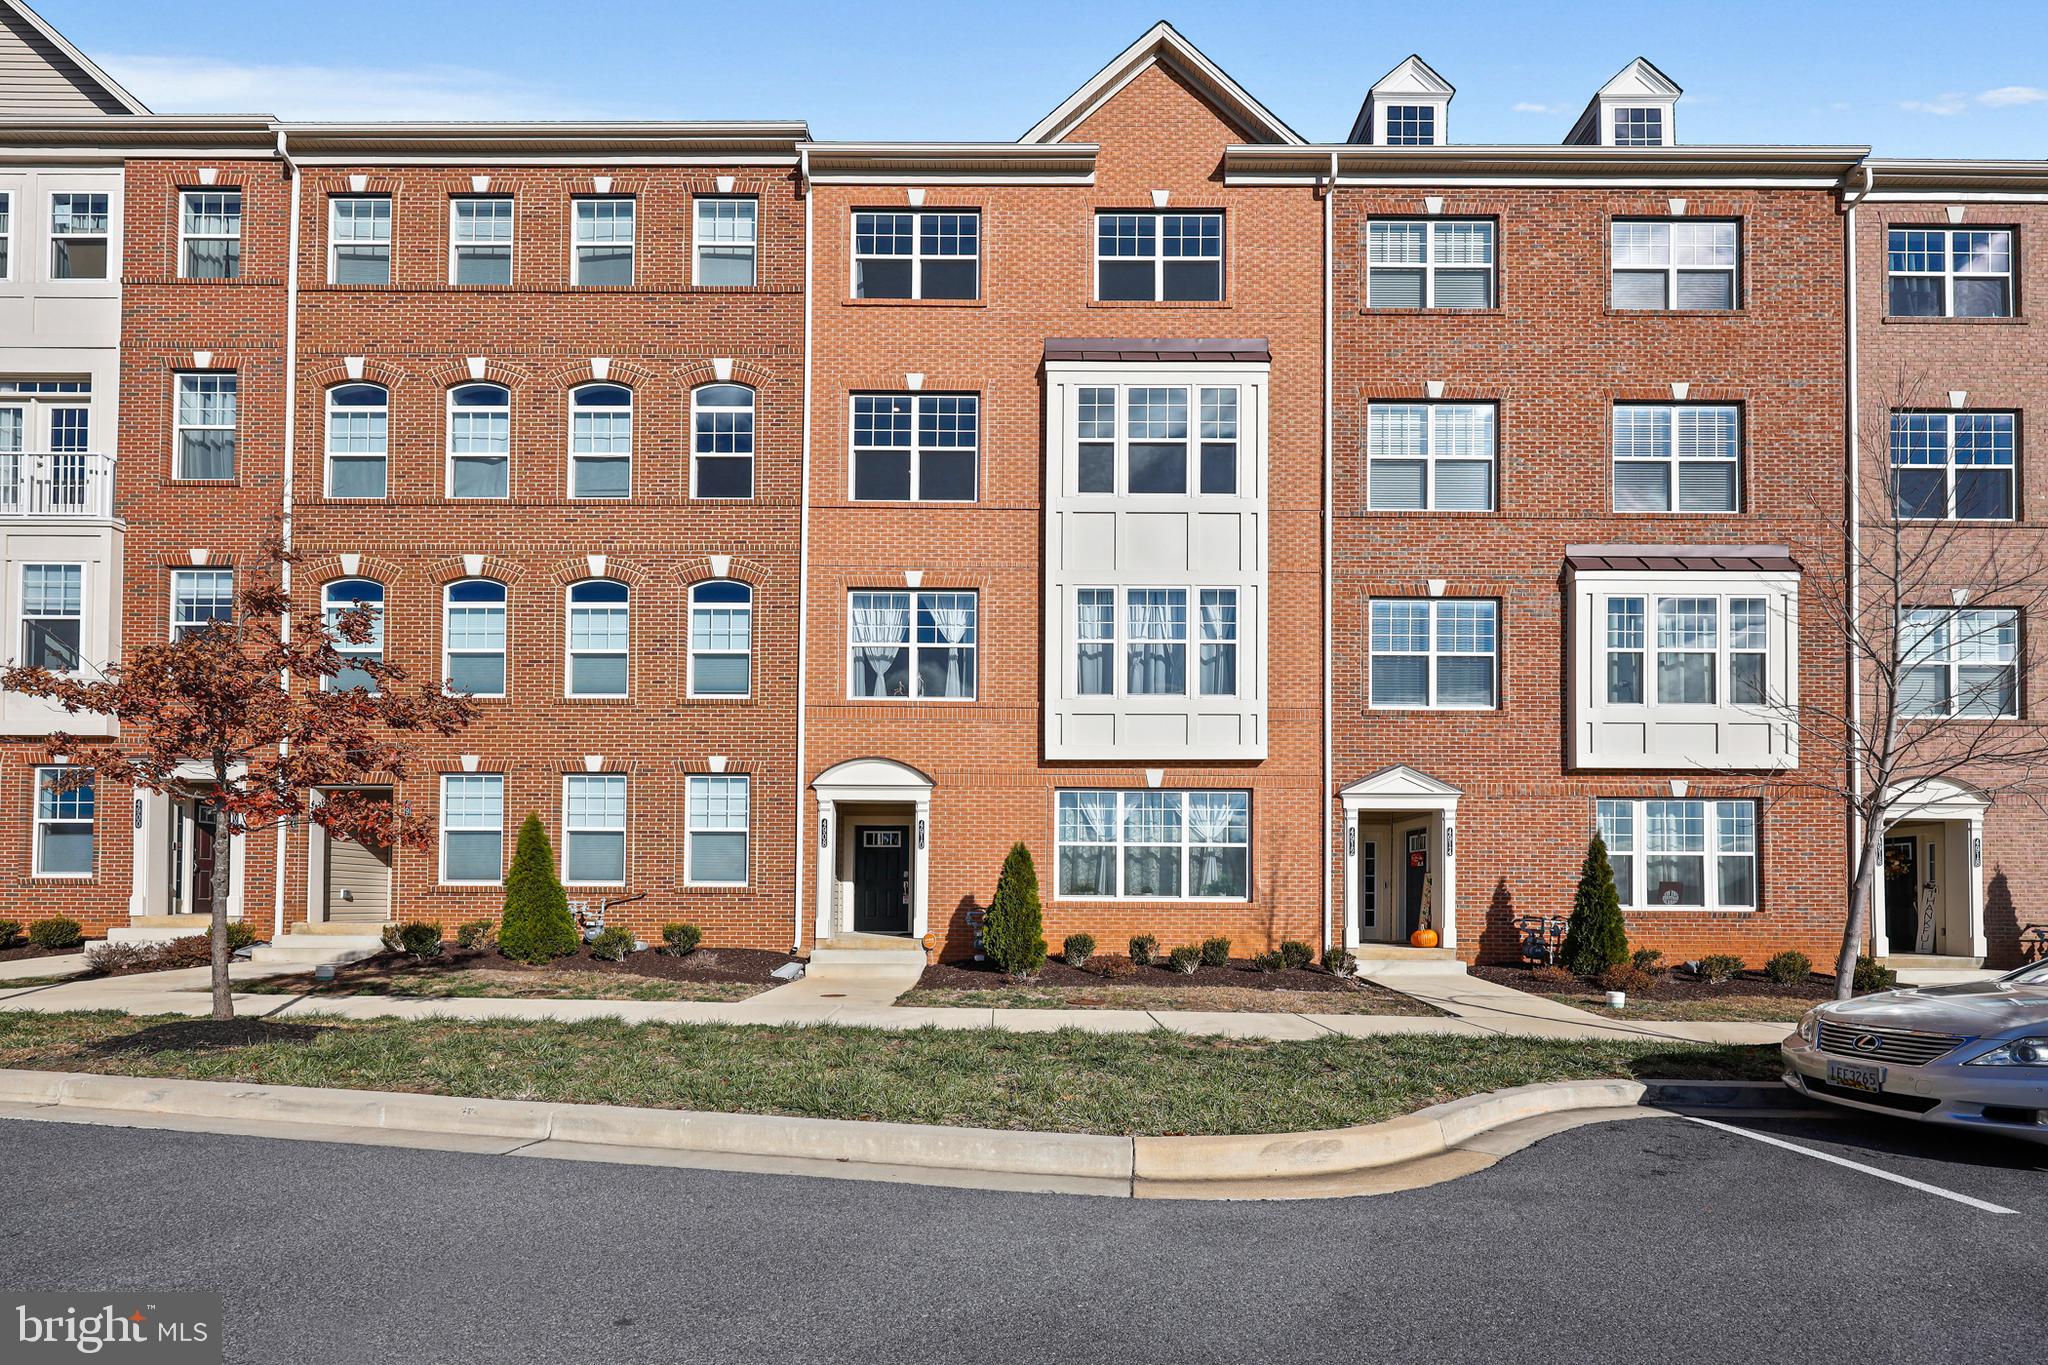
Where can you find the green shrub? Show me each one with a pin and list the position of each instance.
(240, 936)
(1270, 961)
(1717, 967)
(1185, 959)
(1872, 977)
(1789, 968)
(1216, 951)
(1596, 938)
(1296, 955)
(474, 933)
(56, 933)
(1116, 968)
(1144, 948)
(1013, 930)
(680, 940)
(1340, 961)
(612, 944)
(537, 926)
(10, 930)
(1078, 949)
(1648, 960)
(421, 941)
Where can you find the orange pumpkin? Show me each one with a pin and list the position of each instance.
(1423, 938)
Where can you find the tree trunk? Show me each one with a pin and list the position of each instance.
(217, 931)
(1861, 892)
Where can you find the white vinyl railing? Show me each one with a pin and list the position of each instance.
(67, 484)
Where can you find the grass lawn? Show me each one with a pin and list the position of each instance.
(1067, 1081)
(429, 984)
(1363, 999)
(1760, 1009)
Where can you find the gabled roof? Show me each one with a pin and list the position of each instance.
(1640, 79)
(1400, 780)
(1163, 45)
(37, 62)
(1413, 77)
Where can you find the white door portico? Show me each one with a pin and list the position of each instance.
(1392, 805)
(854, 793)
(1946, 821)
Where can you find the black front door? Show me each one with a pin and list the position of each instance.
(1902, 894)
(881, 880)
(1415, 872)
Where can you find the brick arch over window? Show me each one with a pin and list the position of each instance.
(334, 373)
(442, 572)
(696, 375)
(571, 374)
(739, 571)
(577, 570)
(323, 568)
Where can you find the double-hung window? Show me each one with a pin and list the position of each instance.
(1430, 456)
(600, 441)
(594, 826)
(604, 242)
(1682, 855)
(917, 255)
(204, 427)
(1429, 263)
(339, 601)
(1953, 465)
(210, 234)
(715, 847)
(1154, 845)
(52, 616)
(1958, 662)
(1159, 257)
(359, 233)
(199, 599)
(80, 229)
(1137, 439)
(1439, 653)
(1155, 642)
(480, 240)
(472, 829)
(479, 441)
(1677, 457)
(358, 440)
(1708, 649)
(1950, 272)
(473, 620)
(913, 645)
(725, 240)
(916, 447)
(722, 441)
(721, 639)
(600, 612)
(64, 826)
(1662, 264)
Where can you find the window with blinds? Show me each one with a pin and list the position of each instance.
(1672, 265)
(1429, 263)
(1676, 457)
(1430, 456)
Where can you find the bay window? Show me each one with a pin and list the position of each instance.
(1709, 649)
(1151, 635)
(1682, 855)
(1137, 439)
(1153, 845)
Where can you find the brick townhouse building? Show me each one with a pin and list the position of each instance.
(1283, 539)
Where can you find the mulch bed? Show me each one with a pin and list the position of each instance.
(27, 950)
(750, 965)
(1674, 986)
(972, 975)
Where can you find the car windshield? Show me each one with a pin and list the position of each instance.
(2033, 974)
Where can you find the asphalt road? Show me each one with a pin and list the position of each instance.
(1653, 1240)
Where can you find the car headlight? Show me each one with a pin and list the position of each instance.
(2018, 1052)
(1809, 1025)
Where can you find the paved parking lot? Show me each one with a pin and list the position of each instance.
(1658, 1239)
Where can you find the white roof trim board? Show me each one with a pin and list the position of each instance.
(1162, 43)
(86, 65)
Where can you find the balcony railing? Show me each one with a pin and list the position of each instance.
(67, 484)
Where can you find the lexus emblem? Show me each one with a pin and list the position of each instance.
(1869, 1042)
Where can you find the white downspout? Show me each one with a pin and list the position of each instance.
(1329, 333)
(803, 568)
(291, 422)
(1852, 392)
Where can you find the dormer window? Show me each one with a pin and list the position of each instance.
(1635, 109)
(1411, 125)
(1638, 127)
(1408, 107)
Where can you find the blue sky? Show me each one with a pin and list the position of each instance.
(1911, 79)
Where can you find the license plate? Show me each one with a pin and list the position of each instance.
(1854, 1076)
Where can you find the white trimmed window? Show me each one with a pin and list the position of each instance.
(726, 240)
(604, 242)
(64, 827)
(199, 598)
(1430, 456)
(1137, 440)
(1953, 466)
(1639, 126)
(715, 847)
(1155, 622)
(1695, 450)
(473, 622)
(721, 639)
(1959, 662)
(1153, 845)
(359, 239)
(1663, 264)
(1706, 649)
(594, 829)
(1438, 653)
(358, 441)
(1429, 263)
(916, 447)
(913, 645)
(600, 612)
(600, 441)
(479, 441)
(722, 441)
(337, 599)
(917, 255)
(52, 616)
(1151, 634)
(1682, 855)
(210, 234)
(203, 427)
(1164, 257)
(1949, 272)
(79, 234)
(472, 829)
(1411, 125)
(480, 239)
(6, 235)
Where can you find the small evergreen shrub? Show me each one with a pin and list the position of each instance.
(1295, 955)
(1216, 951)
(56, 933)
(1115, 968)
(1013, 930)
(420, 941)
(612, 944)
(1340, 961)
(1596, 937)
(240, 936)
(680, 940)
(474, 933)
(1185, 959)
(10, 930)
(1649, 960)
(1872, 977)
(1078, 949)
(1144, 949)
(1270, 961)
(1718, 967)
(537, 926)
(1789, 968)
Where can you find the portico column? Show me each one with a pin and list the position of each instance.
(1447, 885)
(828, 868)
(920, 865)
(1350, 937)
(1973, 862)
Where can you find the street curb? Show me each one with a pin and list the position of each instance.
(1132, 1163)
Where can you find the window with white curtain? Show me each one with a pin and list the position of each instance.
(338, 599)
(472, 829)
(1434, 653)
(480, 240)
(199, 598)
(594, 829)
(1677, 457)
(64, 826)
(1153, 845)
(204, 425)
(359, 229)
(725, 240)
(600, 441)
(604, 242)
(599, 635)
(479, 441)
(1429, 263)
(473, 637)
(1661, 264)
(52, 616)
(210, 234)
(722, 446)
(908, 645)
(1218, 663)
(1959, 662)
(1430, 456)
(1682, 855)
(715, 818)
(1953, 465)
(358, 441)
(721, 639)
(1155, 642)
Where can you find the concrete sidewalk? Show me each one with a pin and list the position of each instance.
(28, 968)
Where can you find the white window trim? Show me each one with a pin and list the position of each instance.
(1640, 854)
(1159, 258)
(1673, 462)
(1429, 266)
(511, 242)
(179, 426)
(50, 223)
(381, 607)
(37, 821)
(624, 831)
(1949, 468)
(1671, 269)
(328, 452)
(690, 831)
(184, 199)
(569, 650)
(85, 590)
(1121, 442)
(1433, 108)
(1431, 458)
(1187, 844)
(576, 243)
(1724, 651)
(1948, 272)
(334, 242)
(1121, 640)
(691, 650)
(910, 646)
(182, 574)
(573, 455)
(753, 440)
(1432, 654)
(9, 237)
(448, 443)
(697, 244)
(914, 449)
(1617, 109)
(448, 651)
(441, 869)
(917, 256)
(1953, 666)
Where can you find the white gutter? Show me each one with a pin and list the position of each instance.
(803, 568)
(1329, 335)
(1853, 450)
(291, 409)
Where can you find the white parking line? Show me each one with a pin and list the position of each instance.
(1831, 1158)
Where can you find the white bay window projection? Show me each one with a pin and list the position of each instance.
(1953, 465)
(1154, 845)
(210, 234)
(472, 829)
(600, 441)
(473, 629)
(337, 600)
(51, 418)
(480, 240)
(359, 239)
(203, 424)
(604, 242)
(52, 616)
(1429, 263)
(917, 255)
(599, 635)
(1708, 650)
(358, 441)
(915, 447)
(715, 833)
(1430, 456)
(1142, 444)
(722, 441)
(479, 441)
(594, 829)
(1159, 257)
(721, 639)
(64, 825)
(1682, 855)
(1440, 653)
(725, 241)
(1958, 662)
(1949, 272)
(1673, 457)
(913, 645)
(199, 598)
(1151, 636)
(1662, 265)
(80, 228)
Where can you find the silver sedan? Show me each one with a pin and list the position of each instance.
(1973, 1054)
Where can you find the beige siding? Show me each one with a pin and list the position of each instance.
(365, 873)
(37, 78)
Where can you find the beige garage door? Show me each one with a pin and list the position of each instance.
(358, 882)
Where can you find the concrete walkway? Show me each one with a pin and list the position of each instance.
(29, 968)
